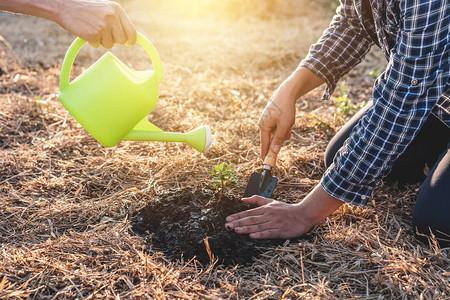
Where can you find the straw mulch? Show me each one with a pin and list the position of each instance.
(66, 201)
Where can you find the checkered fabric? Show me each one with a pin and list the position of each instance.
(415, 38)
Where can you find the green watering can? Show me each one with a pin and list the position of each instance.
(112, 101)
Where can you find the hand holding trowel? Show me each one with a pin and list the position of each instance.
(264, 183)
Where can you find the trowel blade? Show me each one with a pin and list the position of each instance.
(261, 184)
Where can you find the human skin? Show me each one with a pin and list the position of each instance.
(99, 22)
(274, 219)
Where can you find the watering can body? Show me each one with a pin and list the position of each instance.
(112, 101)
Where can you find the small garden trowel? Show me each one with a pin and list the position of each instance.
(264, 183)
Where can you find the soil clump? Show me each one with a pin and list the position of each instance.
(190, 223)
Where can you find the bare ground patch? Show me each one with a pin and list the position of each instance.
(66, 202)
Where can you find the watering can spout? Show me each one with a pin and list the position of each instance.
(199, 138)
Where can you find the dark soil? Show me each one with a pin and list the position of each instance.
(185, 222)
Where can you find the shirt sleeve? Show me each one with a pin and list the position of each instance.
(416, 77)
(342, 46)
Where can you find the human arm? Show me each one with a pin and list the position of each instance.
(99, 22)
(342, 46)
(403, 97)
(276, 219)
(278, 116)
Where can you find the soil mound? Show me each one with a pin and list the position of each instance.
(190, 223)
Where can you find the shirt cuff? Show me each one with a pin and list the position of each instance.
(320, 70)
(340, 188)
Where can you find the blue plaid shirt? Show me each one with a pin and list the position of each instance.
(415, 38)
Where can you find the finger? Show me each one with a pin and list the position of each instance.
(107, 39)
(245, 214)
(265, 139)
(250, 221)
(283, 131)
(257, 200)
(249, 229)
(129, 29)
(118, 34)
(95, 44)
(271, 233)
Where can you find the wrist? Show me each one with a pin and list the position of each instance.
(318, 205)
(305, 217)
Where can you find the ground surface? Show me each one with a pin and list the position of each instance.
(67, 203)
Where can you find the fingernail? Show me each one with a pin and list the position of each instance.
(276, 148)
(229, 226)
(229, 219)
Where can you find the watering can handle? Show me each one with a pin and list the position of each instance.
(78, 43)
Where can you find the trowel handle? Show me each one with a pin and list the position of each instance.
(271, 158)
(78, 43)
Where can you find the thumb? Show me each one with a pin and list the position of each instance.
(257, 200)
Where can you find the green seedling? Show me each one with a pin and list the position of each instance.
(346, 108)
(317, 124)
(223, 176)
(375, 73)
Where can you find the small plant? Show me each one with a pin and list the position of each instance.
(346, 108)
(376, 72)
(316, 124)
(222, 177)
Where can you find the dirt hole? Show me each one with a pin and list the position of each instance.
(190, 223)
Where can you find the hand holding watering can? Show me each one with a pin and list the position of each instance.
(112, 101)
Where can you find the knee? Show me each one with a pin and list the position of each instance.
(420, 226)
(429, 220)
(424, 231)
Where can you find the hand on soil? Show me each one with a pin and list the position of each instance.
(99, 22)
(270, 220)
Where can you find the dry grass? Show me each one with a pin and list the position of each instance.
(65, 200)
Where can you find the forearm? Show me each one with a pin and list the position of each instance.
(318, 204)
(302, 81)
(47, 9)
(99, 22)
